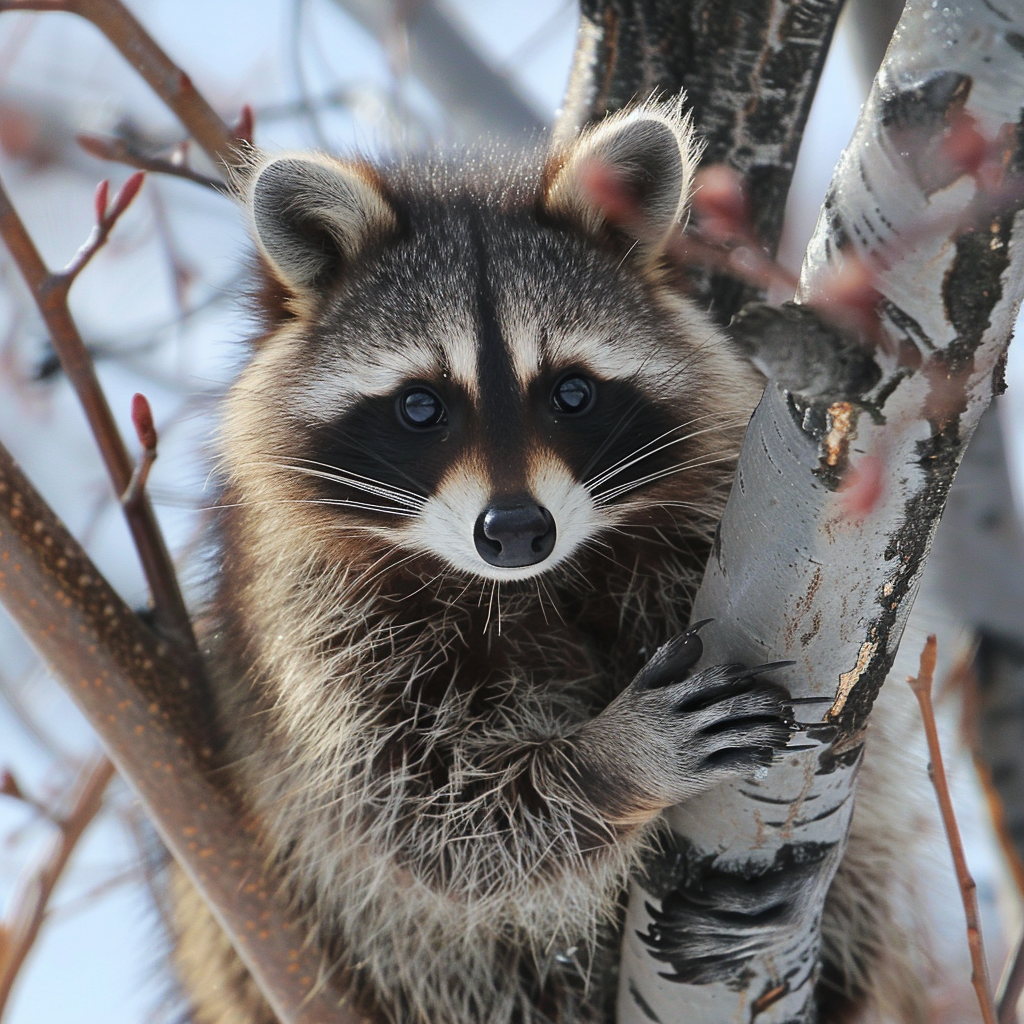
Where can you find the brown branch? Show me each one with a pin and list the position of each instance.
(922, 687)
(137, 699)
(163, 76)
(121, 152)
(29, 905)
(50, 291)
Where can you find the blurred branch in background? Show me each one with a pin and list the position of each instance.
(25, 916)
(479, 99)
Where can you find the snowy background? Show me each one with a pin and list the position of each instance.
(159, 307)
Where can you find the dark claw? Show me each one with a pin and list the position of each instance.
(770, 666)
(672, 660)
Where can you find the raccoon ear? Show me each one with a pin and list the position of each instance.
(311, 215)
(633, 172)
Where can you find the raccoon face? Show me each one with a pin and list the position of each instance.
(478, 370)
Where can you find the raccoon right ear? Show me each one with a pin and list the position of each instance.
(646, 156)
(310, 215)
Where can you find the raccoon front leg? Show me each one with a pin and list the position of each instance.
(670, 734)
(550, 801)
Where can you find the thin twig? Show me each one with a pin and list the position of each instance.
(28, 908)
(922, 687)
(164, 77)
(121, 152)
(50, 291)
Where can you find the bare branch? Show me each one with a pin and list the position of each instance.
(479, 100)
(921, 684)
(50, 291)
(28, 907)
(138, 701)
(121, 152)
(164, 77)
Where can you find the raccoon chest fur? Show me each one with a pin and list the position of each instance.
(471, 473)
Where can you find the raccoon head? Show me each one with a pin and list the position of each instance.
(478, 367)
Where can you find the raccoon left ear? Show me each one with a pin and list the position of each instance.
(311, 215)
(634, 172)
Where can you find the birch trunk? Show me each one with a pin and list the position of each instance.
(794, 574)
(749, 69)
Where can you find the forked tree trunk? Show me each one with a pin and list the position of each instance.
(796, 572)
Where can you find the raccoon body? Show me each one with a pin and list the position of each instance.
(471, 473)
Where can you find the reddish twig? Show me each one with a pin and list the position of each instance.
(9, 786)
(120, 152)
(922, 687)
(106, 218)
(50, 291)
(28, 908)
(164, 77)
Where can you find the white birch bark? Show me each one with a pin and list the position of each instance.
(794, 576)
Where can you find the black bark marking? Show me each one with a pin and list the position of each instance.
(1016, 40)
(714, 919)
(972, 287)
(645, 1008)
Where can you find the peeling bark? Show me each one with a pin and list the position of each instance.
(794, 574)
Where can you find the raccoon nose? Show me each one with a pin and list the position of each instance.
(512, 535)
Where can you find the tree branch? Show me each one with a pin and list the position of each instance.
(137, 699)
(28, 907)
(921, 684)
(163, 76)
(50, 292)
(480, 100)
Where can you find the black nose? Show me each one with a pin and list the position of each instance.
(515, 533)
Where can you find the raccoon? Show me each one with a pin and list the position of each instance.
(471, 475)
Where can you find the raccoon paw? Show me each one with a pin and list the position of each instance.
(677, 734)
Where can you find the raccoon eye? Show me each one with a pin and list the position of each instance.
(419, 408)
(572, 394)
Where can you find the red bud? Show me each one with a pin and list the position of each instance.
(142, 418)
(100, 200)
(129, 190)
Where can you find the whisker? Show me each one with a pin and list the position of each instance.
(613, 435)
(638, 454)
(350, 474)
(358, 482)
(608, 496)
